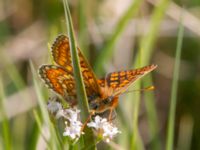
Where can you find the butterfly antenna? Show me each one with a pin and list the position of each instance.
(149, 88)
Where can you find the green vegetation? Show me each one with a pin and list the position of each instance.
(113, 37)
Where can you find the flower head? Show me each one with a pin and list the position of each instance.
(72, 114)
(110, 131)
(71, 117)
(73, 125)
(73, 129)
(98, 123)
(107, 129)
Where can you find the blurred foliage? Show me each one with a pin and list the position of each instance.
(27, 26)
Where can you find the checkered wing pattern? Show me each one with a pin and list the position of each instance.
(118, 82)
(101, 83)
(60, 77)
(62, 57)
(59, 80)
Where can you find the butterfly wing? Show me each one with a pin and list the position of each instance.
(59, 80)
(118, 82)
(101, 82)
(62, 57)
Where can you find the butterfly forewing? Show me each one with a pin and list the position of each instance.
(59, 80)
(62, 57)
(61, 52)
(101, 83)
(118, 82)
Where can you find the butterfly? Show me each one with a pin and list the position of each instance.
(103, 94)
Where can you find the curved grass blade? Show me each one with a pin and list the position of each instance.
(81, 93)
(172, 111)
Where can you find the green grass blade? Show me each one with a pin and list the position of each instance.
(55, 142)
(136, 142)
(152, 116)
(172, 111)
(81, 93)
(33, 137)
(107, 51)
(82, 97)
(39, 125)
(6, 134)
(147, 42)
(143, 57)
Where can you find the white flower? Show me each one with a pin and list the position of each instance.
(73, 125)
(54, 106)
(98, 123)
(110, 131)
(107, 129)
(73, 130)
(71, 114)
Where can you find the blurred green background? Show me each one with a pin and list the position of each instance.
(114, 35)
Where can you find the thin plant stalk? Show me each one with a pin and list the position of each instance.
(152, 116)
(81, 92)
(172, 111)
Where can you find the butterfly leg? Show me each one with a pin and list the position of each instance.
(112, 107)
(110, 115)
(92, 112)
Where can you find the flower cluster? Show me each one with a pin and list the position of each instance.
(103, 127)
(73, 127)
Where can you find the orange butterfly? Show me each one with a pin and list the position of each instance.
(102, 94)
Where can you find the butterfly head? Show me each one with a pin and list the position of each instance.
(102, 105)
(107, 100)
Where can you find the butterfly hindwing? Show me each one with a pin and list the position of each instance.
(120, 81)
(59, 80)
